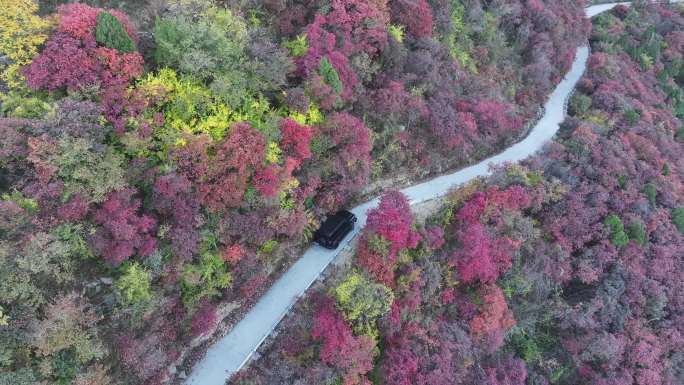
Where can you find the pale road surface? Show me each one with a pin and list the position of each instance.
(231, 352)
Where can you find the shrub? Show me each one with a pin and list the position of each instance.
(184, 106)
(21, 33)
(637, 232)
(15, 105)
(388, 230)
(204, 320)
(4, 318)
(69, 324)
(221, 179)
(205, 279)
(631, 116)
(134, 285)
(618, 237)
(84, 167)
(416, 15)
(353, 356)
(651, 193)
(213, 47)
(665, 170)
(348, 160)
(121, 231)
(297, 46)
(176, 204)
(579, 104)
(678, 219)
(330, 75)
(494, 318)
(397, 32)
(362, 302)
(196, 46)
(110, 33)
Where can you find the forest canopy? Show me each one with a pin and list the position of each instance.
(163, 162)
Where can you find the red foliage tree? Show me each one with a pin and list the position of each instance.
(351, 355)
(391, 221)
(62, 63)
(222, 170)
(72, 59)
(175, 203)
(295, 139)
(348, 28)
(204, 320)
(474, 260)
(349, 161)
(495, 119)
(493, 318)
(508, 371)
(266, 181)
(483, 256)
(233, 254)
(416, 15)
(425, 353)
(121, 231)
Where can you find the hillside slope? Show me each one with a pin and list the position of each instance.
(565, 270)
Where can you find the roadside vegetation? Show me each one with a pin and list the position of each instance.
(567, 269)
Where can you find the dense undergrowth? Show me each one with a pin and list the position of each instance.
(158, 171)
(565, 270)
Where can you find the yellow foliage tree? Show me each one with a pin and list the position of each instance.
(21, 33)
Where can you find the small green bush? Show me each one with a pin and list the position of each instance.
(637, 232)
(525, 347)
(579, 104)
(617, 230)
(134, 285)
(204, 279)
(15, 105)
(631, 116)
(110, 33)
(679, 136)
(396, 31)
(64, 367)
(329, 75)
(666, 169)
(678, 218)
(651, 193)
(298, 46)
(362, 302)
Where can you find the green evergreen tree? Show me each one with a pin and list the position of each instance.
(330, 75)
(636, 232)
(678, 218)
(110, 33)
(618, 237)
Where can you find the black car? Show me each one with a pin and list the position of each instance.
(334, 229)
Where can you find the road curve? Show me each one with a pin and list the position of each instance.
(231, 352)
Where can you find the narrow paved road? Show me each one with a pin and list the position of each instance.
(231, 352)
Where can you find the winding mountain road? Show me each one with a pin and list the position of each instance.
(231, 352)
